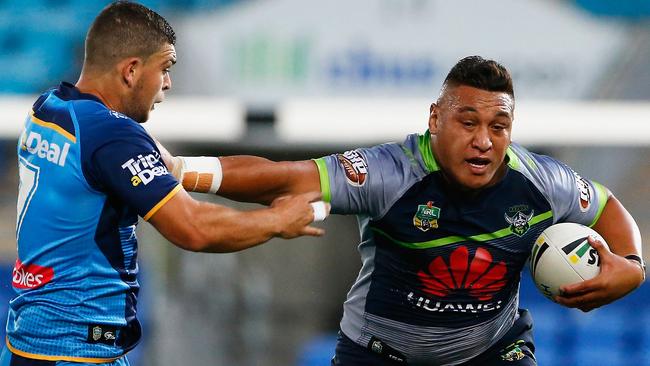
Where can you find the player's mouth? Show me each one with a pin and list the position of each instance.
(478, 165)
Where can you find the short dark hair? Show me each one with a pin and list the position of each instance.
(126, 29)
(477, 72)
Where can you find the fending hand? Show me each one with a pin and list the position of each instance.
(297, 212)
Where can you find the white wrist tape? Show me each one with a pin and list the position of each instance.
(200, 173)
(320, 210)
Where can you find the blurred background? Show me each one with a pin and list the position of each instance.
(295, 79)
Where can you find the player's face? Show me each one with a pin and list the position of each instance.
(470, 131)
(153, 81)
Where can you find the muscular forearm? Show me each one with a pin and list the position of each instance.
(206, 227)
(621, 233)
(221, 229)
(618, 275)
(255, 179)
(619, 229)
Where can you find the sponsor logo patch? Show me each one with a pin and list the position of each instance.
(31, 276)
(117, 114)
(426, 217)
(355, 166)
(585, 192)
(381, 348)
(99, 333)
(479, 277)
(513, 351)
(144, 168)
(518, 219)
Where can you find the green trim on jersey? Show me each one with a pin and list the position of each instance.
(424, 145)
(457, 239)
(602, 195)
(513, 160)
(324, 179)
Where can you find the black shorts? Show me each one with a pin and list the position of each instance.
(515, 348)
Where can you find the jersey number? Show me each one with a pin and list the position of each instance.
(28, 183)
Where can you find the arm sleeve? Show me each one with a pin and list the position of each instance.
(572, 197)
(365, 181)
(133, 171)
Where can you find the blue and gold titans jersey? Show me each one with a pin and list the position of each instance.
(86, 174)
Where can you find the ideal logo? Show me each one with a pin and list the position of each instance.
(426, 217)
(37, 145)
(519, 221)
(145, 168)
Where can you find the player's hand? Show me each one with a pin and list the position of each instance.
(295, 214)
(618, 276)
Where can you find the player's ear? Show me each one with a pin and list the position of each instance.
(433, 118)
(130, 70)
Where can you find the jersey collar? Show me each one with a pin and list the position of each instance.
(424, 145)
(67, 91)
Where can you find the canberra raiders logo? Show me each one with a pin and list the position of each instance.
(426, 216)
(518, 220)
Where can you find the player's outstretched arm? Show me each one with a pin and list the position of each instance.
(242, 178)
(205, 227)
(618, 275)
(255, 179)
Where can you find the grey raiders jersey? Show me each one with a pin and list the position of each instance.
(440, 271)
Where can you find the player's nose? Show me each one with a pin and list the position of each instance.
(167, 82)
(482, 139)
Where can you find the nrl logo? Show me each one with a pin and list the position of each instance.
(519, 221)
(97, 333)
(426, 216)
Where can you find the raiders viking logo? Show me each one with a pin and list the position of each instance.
(519, 221)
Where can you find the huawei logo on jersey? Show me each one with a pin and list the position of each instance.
(480, 277)
(31, 276)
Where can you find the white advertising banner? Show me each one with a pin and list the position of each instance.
(264, 52)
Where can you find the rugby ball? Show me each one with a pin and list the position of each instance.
(561, 256)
